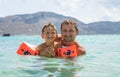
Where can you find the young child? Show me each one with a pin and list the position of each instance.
(49, 34)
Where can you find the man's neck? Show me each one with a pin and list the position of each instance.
(67, 43)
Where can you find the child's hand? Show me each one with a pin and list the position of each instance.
(50, 51)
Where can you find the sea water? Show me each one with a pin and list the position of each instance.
(102, 58)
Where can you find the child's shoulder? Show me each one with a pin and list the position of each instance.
(41, 46)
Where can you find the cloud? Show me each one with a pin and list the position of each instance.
(109, 10)
(111, 3)
(112, 14)
(84, 10)
(96, 10)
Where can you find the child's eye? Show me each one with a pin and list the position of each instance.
(47, 32)
(53, 32)
(64, 30)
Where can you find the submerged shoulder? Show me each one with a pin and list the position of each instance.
(80, 49)
(40, 47)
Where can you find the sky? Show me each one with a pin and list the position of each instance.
(86, 11)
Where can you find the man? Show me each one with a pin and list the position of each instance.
(69, 32)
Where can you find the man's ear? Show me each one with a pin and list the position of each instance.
(42, 35)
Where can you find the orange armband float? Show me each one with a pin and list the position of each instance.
(27, 49)
(67, 51)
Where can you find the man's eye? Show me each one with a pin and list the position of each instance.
(71, 30)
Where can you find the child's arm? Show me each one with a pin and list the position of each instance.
(80, 49)
(41, 48)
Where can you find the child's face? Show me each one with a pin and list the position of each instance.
(49, 34)
(69, 32)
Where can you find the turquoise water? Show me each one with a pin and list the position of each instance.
(102, 59)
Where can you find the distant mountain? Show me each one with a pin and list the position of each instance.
(31, 24)
(103, 27)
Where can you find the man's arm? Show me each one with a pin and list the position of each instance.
(58, 38)
(80, 49)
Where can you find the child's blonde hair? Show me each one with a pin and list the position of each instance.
(49, 25)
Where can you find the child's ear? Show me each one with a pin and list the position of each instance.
(77, 32)
(56, 35)
(42, 35)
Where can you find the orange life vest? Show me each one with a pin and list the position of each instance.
(67, 51)
(27, 49)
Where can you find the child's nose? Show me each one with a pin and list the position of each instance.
(50, 34)
(67, 33)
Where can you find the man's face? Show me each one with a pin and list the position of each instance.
(69, 32)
